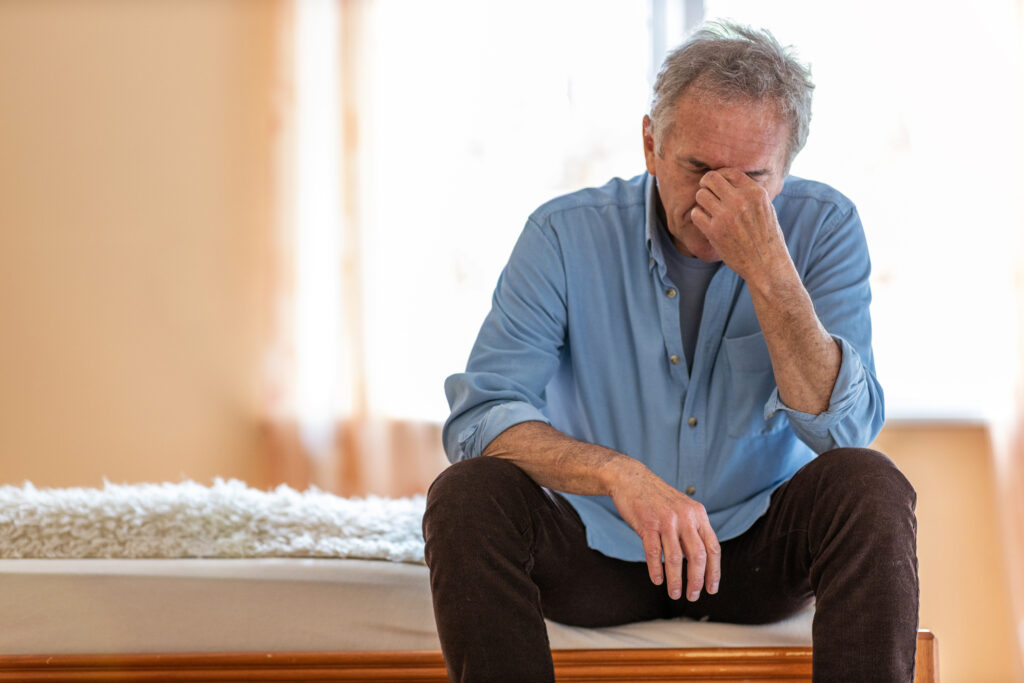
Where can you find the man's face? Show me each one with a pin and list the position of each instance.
(708, 134)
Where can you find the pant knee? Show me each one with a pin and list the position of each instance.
(474, 498)
(867, 475)
(474, 481)
(862, 500)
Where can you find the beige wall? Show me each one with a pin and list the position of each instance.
(1010, 477)
(135, 177)
(964, 583)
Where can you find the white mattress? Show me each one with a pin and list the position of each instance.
(277, 604)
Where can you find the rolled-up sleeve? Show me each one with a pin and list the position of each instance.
(516, 352)
(836, 276)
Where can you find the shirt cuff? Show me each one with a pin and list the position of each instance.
(475, 438)
(850, 384)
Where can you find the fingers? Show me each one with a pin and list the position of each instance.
(701, 218)
(703, 558)
(717, 183)
(657, 547)
(713, 571)
(722, 186)
(652, 553)
(696, 562)
(722, 179)
(708, 201)
(694, 543)
(674, 530)
(666, 551)
(673, 565)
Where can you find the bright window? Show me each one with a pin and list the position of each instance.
(479, 112)
(470, 114)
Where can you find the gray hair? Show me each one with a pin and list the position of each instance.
(734, 62)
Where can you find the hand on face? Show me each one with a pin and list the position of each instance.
(736, 216)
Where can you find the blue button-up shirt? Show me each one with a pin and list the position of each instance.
(583, 334)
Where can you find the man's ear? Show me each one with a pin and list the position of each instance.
(649, 151)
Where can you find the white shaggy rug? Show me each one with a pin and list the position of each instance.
(228, 519)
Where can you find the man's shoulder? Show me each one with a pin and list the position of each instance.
(617, 194)
(799, 191)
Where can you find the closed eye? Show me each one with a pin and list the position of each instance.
(693, 165)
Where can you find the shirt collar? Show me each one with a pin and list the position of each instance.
(653, 224)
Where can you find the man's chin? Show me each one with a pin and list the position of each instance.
(706, 253)
(693, 244)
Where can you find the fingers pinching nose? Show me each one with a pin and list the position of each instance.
(704, 178)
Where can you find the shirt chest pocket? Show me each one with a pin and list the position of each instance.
(750, 383)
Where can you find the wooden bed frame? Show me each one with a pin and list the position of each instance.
(711, 664)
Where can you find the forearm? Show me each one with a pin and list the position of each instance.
(805, 358)
(560, 462)
(738, 219)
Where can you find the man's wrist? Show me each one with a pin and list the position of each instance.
(778, 283)
(618, 469)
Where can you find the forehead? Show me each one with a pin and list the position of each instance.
(740, 134)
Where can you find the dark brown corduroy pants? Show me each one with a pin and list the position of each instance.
(504, 553)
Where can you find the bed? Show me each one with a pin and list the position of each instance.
(323, 619)
(331, 617)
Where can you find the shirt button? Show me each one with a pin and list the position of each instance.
(651, 263)
(670, 292)
(692, 422)
(673, 359)
(690, 490)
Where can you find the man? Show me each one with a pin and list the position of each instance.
(666, 409)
